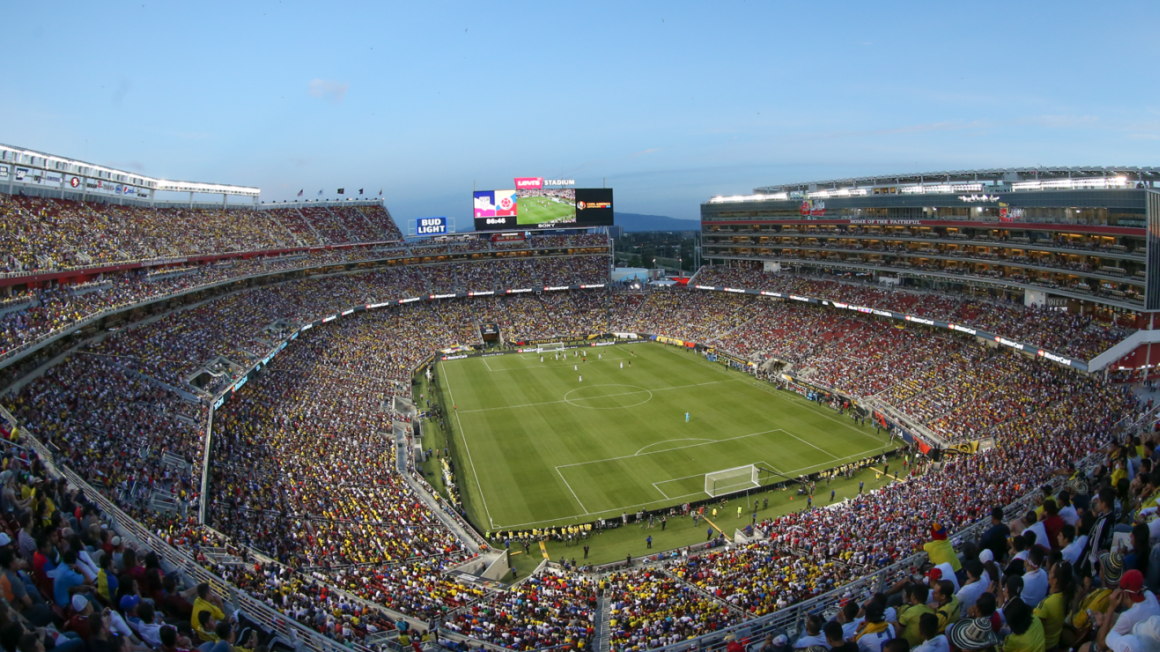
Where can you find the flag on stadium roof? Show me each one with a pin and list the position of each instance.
(300, 192)
(341, 191)
(380, 192)
(360, 191)
(319, 193)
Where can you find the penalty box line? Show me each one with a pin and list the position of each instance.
(593, 398)
(677, 448)
(625, 507)
(536, 364)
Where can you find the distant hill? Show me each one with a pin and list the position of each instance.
(635, 223)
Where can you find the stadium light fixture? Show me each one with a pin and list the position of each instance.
(732, 199)
(941, 188)
(1066, 184)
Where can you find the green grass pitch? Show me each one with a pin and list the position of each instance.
(537, 447)
(540, 210)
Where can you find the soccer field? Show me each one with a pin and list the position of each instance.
(535, 446)
(540, 210)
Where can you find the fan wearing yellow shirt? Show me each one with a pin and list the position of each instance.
(908, 617)
(1027, 634)
(1052, 610)
(940, 550)
(948, 608)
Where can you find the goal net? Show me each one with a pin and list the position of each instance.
(551, 347)
(719, 483)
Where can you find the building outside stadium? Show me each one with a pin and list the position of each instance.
(1069, 239)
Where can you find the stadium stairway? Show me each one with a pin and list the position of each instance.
(738, 612)
(185, 394)
(718, 335)
(603, 618)
(309, 222)
(403, 461)
(906, 420)
(221, 556)
(161, 501)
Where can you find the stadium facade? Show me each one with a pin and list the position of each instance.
(1076, 239)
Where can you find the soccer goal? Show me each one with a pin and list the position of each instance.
(719, 483)
(550, 347)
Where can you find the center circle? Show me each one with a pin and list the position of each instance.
(630, 394)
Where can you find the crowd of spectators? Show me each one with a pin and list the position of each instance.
(650, 608)
(554, 608)
(1080, 336)
(305, 454)
(304, 467)
(114, 426)
(422, 588)
(48, 234)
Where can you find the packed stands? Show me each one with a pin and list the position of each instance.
(38, 314)
(549, 610)
(308, 457)
(1079, 336)
(651, 609)
(304, 468)
(39, 234)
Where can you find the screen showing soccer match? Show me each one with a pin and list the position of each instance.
(540, 204)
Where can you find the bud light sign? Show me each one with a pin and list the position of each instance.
(431, 226)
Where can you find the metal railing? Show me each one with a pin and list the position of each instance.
(253, 609)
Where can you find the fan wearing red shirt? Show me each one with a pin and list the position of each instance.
(1052, 522)
(42, 565)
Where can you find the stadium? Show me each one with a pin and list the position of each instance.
(355, 439)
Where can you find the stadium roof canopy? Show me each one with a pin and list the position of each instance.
(992, 175)
(59, 164)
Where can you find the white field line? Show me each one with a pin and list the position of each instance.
(612, 510)
(819, 410)
(665, 441)
(810, 445)
(463, 436)
(572, 490)
(536, 365)
(707, 443)
(590, 398)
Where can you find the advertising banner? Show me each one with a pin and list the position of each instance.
(529, 183)
(431, 226)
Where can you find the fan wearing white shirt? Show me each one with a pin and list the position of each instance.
(1067, 511)
(1071, 547)
(813, 634)
(1036, 526)
(875, 632)
(1035, 584)
(1145, 636)
(848, 619)
(1139, 606)
(977, 584)
(1141, 603)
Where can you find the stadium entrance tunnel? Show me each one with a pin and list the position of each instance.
(608, 397)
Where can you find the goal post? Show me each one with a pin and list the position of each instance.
(719, 483)
(550, 347)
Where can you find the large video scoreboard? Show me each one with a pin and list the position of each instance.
(536, 203)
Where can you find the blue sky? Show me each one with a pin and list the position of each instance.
(671, 102)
